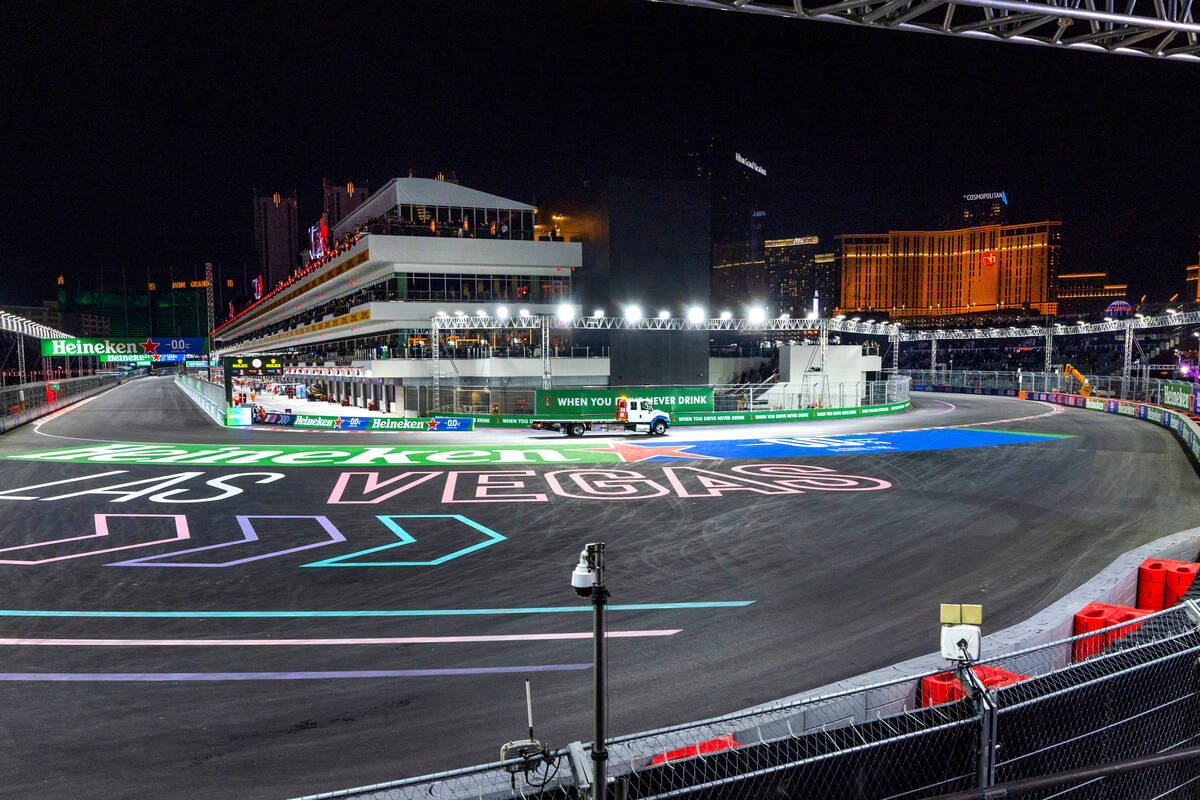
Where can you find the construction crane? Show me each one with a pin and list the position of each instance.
(1085, 387)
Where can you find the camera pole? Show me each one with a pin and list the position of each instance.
(599, 600)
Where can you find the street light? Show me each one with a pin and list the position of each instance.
(588, 582)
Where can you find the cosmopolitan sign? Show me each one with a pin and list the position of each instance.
(151, 346)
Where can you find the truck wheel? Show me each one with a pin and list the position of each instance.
(658, 428)
(575, 430)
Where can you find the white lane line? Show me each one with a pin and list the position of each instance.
(518, 637)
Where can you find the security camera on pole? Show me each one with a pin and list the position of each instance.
(588, 581)
(961, 640)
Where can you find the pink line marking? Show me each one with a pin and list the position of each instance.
(518, 637)
(181, 533)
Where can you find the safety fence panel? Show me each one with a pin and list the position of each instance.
(26, 402)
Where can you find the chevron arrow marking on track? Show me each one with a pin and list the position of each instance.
(350, 559)
(102, 533)
(328, 533)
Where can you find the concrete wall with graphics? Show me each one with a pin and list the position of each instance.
(208, 396)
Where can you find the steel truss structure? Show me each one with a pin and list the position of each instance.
(13, 323)
(821, 327)
(1156, 28)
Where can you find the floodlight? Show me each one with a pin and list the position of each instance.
(598, 313)
(633, 313)
(695, 315)
(566, 312)
(664, 314)
(502, 312)
(725, 315)
(757, 315)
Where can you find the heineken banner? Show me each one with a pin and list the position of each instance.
(149, 348)
(369, 423)
(602, 403)
(1177, 395)
(127, 358)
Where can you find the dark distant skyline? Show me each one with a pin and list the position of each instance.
(136, 137)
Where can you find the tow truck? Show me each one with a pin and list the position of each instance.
(632, 415)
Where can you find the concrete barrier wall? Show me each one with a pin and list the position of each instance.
(208, 396)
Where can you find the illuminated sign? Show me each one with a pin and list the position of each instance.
(745, 162)
(799, 240)
(178, 284)
(198, 284)
(318, 238)
(989, 259)
(151, 286)
(986, 196)
(252, 365)
(152, 346)
(130, 358)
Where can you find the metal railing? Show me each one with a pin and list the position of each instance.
(20, 404)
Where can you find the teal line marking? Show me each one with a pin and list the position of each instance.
(416, 612)
(406, 538)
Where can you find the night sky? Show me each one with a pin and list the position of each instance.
(135, 134)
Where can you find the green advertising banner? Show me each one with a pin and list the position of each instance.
(150, 346)
(602, 403)
(1177, 395)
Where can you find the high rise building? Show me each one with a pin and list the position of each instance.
(980, 208)
(340, 199)
(276, 237)
(736, 186)
(912, 274)
(1192, 273)
(1087, 292)
(795, 271)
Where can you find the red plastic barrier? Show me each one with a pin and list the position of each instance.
(704, 748)
(1179, 579)
(1152, 583)
(1095, 616)
(945, 688)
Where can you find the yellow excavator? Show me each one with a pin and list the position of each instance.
(1085, 387)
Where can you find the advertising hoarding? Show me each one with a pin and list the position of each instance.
(602, 403)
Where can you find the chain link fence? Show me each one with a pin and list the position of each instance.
(1148, 390)
(1130, 690)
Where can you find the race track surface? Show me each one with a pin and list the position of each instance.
(292, 624)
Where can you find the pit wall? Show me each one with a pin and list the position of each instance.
(209, 396)
(687, 418)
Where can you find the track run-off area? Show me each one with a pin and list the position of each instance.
(198, 612)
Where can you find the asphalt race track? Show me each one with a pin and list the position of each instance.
(273, 622)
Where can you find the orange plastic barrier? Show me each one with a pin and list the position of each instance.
(1152, 583)
(1179, 579)
(704, 748)
(945, 688)
(1095, 616)
(1162, 582)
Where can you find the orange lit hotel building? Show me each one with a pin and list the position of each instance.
(937, 273)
